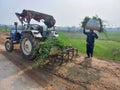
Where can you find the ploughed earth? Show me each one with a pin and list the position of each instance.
(81, 73)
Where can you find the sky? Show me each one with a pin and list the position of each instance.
(66, 12)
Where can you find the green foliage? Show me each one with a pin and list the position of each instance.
(43, 50)
(101, 24)
(86, 19)
(84, 22)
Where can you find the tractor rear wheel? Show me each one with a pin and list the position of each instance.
(9, 46)
(27, 46)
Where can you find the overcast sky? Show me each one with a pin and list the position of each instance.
(66, 12)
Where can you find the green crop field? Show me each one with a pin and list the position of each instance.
(4, 30)
(104, 48)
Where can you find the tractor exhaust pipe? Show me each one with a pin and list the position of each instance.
(15, 23)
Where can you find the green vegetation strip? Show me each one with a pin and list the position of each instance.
(104, 48)
(4, 30)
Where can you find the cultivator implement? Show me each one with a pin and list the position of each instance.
(67, 55)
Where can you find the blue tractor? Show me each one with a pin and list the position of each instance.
(29, 35)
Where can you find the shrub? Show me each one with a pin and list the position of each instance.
(44, 49)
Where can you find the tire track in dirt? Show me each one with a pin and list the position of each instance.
(22, 64)
(42, 77)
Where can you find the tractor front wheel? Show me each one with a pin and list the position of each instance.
(9, 46)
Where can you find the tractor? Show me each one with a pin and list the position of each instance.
(29, 35)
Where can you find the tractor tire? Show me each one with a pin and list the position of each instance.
(9, 46)
(27, 46)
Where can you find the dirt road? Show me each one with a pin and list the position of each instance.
(38, 79)
(80, 74)
(13, 78)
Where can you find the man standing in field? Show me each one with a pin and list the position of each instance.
(91, 35)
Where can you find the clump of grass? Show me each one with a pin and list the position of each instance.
(44, 49)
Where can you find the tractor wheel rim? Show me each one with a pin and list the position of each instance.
(8, 46)
(27, 47)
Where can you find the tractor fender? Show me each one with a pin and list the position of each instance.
(34, 33)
